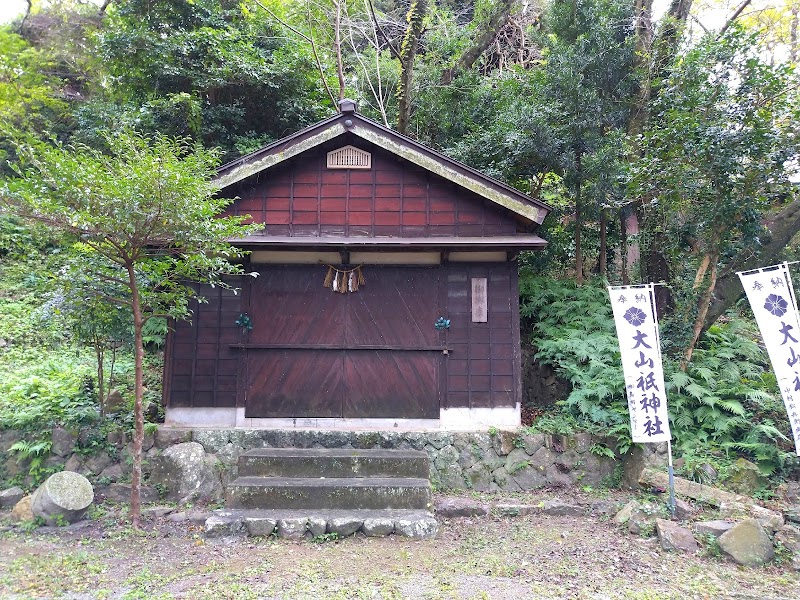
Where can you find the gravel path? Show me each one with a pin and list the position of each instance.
(531, 557)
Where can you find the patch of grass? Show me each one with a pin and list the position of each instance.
(523, 464)
(51, 575)
(324, 538)
(227, 588)
(317, 578)
(647, 595)
(145, 585)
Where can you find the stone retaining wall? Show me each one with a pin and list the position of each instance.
(484, 461)
(498, 460)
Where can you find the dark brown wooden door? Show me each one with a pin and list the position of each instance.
(393, 359)
(293, 316)
(370, 354)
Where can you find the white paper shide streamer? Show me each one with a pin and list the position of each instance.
(640, 349)
(771, 297)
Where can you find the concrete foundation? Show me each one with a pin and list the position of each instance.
(450, 419)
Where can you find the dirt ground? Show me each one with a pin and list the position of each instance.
(531, 557)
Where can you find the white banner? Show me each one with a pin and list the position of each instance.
(640, 348)
(771, 297)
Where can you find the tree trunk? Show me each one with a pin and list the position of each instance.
(100, 355)
(485, 38)
(603, 234)
(111, 370)
(669, 37)
(578, 222)
(623, 242)
(653, 265)
(138, 417)
(337, 42)
(710, 260)
(28, 8)
(660, 55)
(782, 227)
(408, 52)
(701, 271)
(644, 42)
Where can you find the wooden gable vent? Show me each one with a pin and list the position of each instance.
(349, 157)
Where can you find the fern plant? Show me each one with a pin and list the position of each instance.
(726, 402)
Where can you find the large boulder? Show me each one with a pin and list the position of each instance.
(713, 528)
(63, 497)
(747, 544)
(10, 497)
(478, 478)
(559, 508)
(94, 465)
(651, 478)
(674, 537)
(744, 477)
(188, 473)
(377, 527)
(8, 437)
(789, 538)
(643, 520)
(344, 526)
(770, 520)
(114, 402)
(22, 510)
(624, 515)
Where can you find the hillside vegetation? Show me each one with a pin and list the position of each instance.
(667, 157)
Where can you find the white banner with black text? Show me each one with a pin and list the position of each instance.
(771, 297)
(640, 350)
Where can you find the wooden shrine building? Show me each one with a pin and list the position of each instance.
(386, 293)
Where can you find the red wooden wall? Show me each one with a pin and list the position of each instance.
(481, 370)
(394, 198)
(200, 367)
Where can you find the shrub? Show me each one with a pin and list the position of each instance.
(726, 402)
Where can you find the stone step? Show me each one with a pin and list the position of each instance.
(349, 493)
(310, 524)
(335, 462)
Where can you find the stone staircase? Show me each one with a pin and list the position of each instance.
(310, 492)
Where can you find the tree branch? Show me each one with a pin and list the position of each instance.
(27, 14)
(733, 17)
(782, 226)
(313, 48)
(102, 10)
(482, 42)
(392, 49)
(377, 94)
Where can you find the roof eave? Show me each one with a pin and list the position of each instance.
(527, 242)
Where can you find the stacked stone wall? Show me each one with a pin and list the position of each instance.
(497, 460)
(491, 461)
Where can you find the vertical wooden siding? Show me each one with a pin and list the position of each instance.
(373, 353)
(483, 368)
(305, 198)
(200, 367)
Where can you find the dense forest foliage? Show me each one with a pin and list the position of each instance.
(667, 147)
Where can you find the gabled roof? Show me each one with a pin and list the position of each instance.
(349, 121)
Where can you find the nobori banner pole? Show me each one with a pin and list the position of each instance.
(671, 472)
(636, 322)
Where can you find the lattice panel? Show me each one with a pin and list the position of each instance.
(349, 157)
